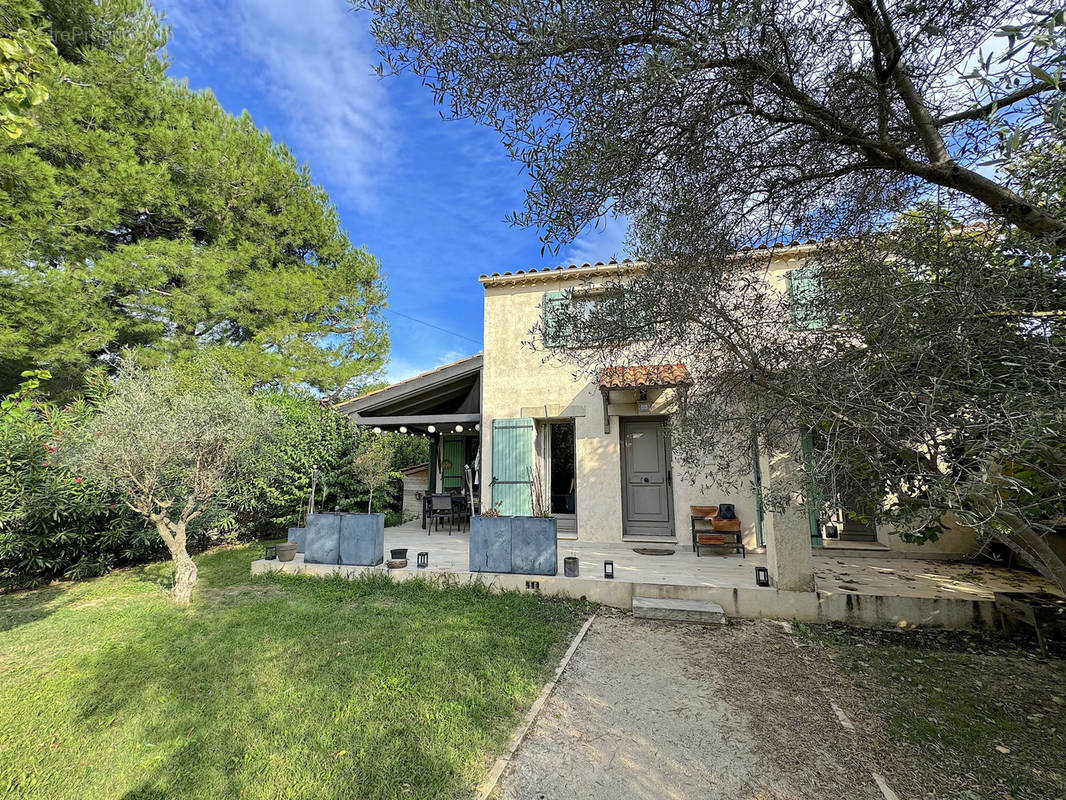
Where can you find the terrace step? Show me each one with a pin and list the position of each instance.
(703, 611)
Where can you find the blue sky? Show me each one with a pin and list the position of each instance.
(428, 197)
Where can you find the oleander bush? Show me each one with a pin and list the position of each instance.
(54, 523)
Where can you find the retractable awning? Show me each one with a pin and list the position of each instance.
(443, 400)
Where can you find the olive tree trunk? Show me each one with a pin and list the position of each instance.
(1032, 548)
(173, 534)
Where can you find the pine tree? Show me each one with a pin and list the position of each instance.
(137, 214)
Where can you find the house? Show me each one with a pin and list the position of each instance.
(594, 451)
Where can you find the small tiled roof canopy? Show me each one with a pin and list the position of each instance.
(644, 377)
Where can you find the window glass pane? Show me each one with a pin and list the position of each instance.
(563, 468)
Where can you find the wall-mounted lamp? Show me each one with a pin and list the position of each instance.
(403, 429)
(608, 570)
(432, 429)
(377, 430)
(477, 426)
(762, 576)
(458, 428)
(423, 560)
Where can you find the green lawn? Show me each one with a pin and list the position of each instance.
(267, 687)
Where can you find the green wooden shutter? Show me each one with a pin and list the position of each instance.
(452, 463)
(512, 460)
(556, 307)
(638, 314)
(814, 496)
(805, 298)
(760, 510)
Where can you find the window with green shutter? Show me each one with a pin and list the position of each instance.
(806, 298)
(512, 464)
(556, 307)
(561, 308)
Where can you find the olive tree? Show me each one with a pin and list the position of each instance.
(923, 366)
(373, 464)
(171, 442)
(719, 124)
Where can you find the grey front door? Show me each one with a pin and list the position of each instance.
(646, 491)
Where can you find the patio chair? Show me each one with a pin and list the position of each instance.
(723, 533)
(441, 506)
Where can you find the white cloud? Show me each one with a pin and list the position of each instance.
(310, 61)
(599, 244)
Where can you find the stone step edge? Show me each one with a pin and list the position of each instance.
(701, 611)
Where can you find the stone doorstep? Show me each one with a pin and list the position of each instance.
(703, 611)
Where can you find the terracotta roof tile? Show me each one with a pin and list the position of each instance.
(534, 270)
(644, 376)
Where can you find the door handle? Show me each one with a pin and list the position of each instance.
(647, 480)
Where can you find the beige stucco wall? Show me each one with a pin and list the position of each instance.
(521, 382)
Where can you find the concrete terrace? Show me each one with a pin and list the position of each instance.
(851, 586)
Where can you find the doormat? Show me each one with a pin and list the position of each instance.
(652, 551)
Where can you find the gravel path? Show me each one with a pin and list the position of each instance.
(652, 710)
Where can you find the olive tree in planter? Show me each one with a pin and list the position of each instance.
(171, 442)
(373, 464)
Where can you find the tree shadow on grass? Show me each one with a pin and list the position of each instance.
(30, 605)
(326, 690)
(223, 567)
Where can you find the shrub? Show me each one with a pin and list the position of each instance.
(54, 523)
(306, 434)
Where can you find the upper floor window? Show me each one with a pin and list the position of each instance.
(808, 300)
(588, 317)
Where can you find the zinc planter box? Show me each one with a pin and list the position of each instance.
(298, 535)
(519, 545)
(322, 541)
(362, 539)
(342, 538)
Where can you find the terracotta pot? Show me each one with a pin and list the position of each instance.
(287, 551)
